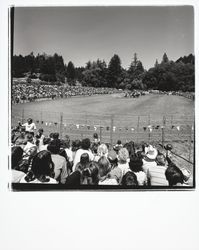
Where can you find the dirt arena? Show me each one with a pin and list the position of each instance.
(104, 105)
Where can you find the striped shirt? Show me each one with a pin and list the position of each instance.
(156, 175)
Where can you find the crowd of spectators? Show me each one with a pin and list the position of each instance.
(36, 158)
(33, 92)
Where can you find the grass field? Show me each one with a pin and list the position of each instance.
(127, 115)
(106, 105)
(94, 110)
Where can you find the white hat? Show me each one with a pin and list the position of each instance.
(151, 152)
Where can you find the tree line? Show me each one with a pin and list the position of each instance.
(166, 75)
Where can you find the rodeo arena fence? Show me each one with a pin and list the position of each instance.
(110, 128)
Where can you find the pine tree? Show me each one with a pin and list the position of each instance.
(165, 58)
(156, 63)
(71, 72)
(114, 73)
(135, 71)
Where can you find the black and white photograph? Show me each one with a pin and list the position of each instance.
(102, 97)
(99, 125)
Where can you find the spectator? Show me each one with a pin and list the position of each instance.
(46, 142)
(30, 126)
(149, 158)
(84, 162)
(85, 148)
(96, 139)
(30, 142)
(75, 146)
(115, 172)
(135, 165)
(39, 137)
(68, 149)
(129, 180)
(101, 151)
(16, 157)
(174, 176)
(90, 174)
(55, 136)
(42, 170)
(74, 179)
(94, 149)
(123, 159)
(130, 147)
(104, 170)
(156, 174)
(60, 166)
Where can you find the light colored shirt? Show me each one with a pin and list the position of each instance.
(157, 176)
(78, 156)
(17, 176)
(60, 168)
(147, 164)
(141, 178)
(28, 146)
(108, 182)
(116, 173)
(29, 127)
(43, 147)
(124, 167)
(69, 154)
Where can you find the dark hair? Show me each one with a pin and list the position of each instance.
(54, 146)
(161, 159)
(42, 166)
(94, 147)
(174, 175)
(76, 145)
(129, 179)
(22, 129)
(51, 135)
(84, 162)
(46, 140)
(86, 143)
(67, 141)
(91, 172)
(55, 136)
(135, 164)
(63, 153)
(130, 147)
(29, 137)
(95, 135)
(16, 156)
(119, 142)
(30, 120)
(40, 130)
(84, 159)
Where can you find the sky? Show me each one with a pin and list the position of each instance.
(81, 34)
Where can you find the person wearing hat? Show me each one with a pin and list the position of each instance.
(156, 174)
(149, 158)
(29, 125)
